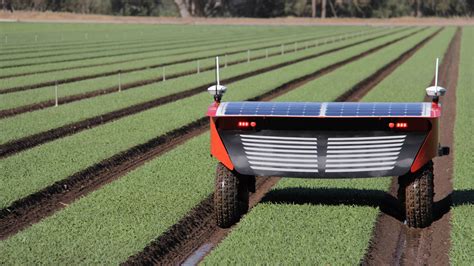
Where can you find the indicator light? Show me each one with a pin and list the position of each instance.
(391, 125)
(253, 124)
(243, 124)
(402, 125)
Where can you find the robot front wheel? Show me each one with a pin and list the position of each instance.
(415, 193)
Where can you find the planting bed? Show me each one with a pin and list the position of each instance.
(113, 177)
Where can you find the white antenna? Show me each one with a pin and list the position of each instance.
(436, 91)
(217, 72)
(217, 90)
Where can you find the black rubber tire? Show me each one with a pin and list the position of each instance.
(415, 193)
(231, 196)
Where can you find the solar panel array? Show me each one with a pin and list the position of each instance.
(273, 108)
(374, 109)
(331, 109)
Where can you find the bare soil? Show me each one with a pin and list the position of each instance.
(189, 242)
(25, 16)
(393, 242)
(28, 142)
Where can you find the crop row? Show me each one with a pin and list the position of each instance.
(38, 37)
(150, 62)
(63, 157)
(142, 42)
(159, 193)
(232, 46)
(462, 232)
(143, 52)
(333, 217)
(133, 79)
(39, 121)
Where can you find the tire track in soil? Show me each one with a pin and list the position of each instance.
(39, 205)
(392, 241)
(12, 147)
(195, 235)
(78, 97)
(114, 72)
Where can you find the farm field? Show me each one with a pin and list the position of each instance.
(119, 171)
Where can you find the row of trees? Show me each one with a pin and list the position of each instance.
(331, 8)
(115, 7)
(255, 8)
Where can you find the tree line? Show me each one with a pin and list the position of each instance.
(108, 7)
(254, 8)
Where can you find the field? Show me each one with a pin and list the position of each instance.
(104, 148)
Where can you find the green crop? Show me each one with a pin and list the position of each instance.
(12, 100)
(34, 122)
(158, 58)
(120, 219)
(462, 231)
(41, 166)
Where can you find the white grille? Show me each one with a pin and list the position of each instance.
(363, 154)
(284, 154)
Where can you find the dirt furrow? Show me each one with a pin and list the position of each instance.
(192, 238)
(44, 203)
(28, 142)
(392, 241)
(109, 73)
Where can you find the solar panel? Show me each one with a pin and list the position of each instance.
(271, 108)
(374, 109)
(330, 109)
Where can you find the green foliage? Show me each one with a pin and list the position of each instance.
(112, 223)
(462, 234)
(402, 84)
(42, 120)
(119, 7)
(41, 166)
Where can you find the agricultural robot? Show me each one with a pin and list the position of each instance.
(324, 140)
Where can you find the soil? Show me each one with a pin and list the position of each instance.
(28, 142)
(25, 16)
(393, 242)
(189, 242)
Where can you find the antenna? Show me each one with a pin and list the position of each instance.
(217, 90)
(436, 91)
(217, 71)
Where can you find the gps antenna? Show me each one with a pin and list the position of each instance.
(218, 82)
(436, 91)
(217, 90)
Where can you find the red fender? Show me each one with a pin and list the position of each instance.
(218, 149)
(429, 149)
